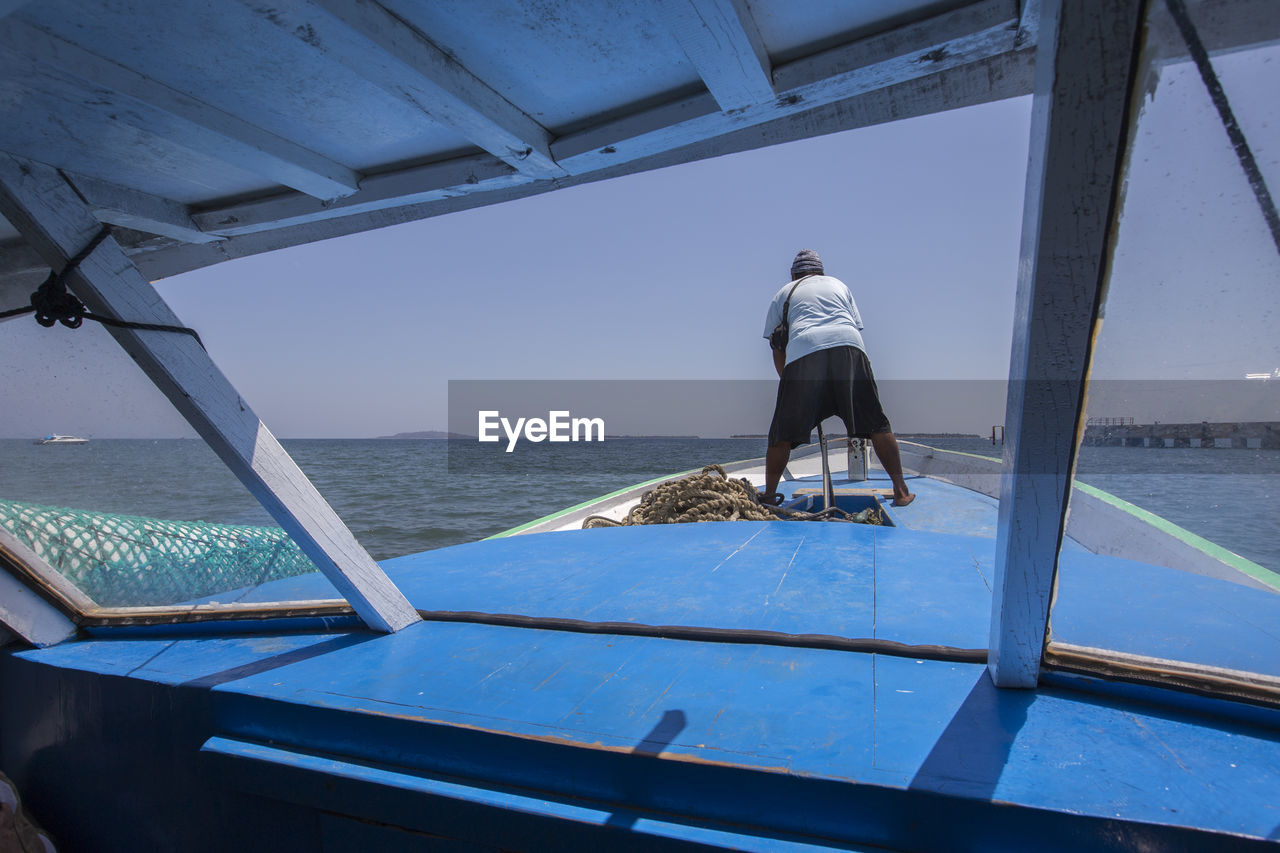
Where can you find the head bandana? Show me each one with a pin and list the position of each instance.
(807, 262)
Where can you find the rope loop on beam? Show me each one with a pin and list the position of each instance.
(52, 303)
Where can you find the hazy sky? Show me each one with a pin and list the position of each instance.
(667, 275)
(1193, 293)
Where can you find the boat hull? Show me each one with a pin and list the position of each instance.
(617, 731)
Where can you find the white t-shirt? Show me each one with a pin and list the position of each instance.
(822, 315)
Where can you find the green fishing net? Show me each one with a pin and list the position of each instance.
(124, 560)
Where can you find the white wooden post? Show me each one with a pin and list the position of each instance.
(1080, 114)
(55, 221)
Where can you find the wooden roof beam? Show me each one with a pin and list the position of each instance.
(449, 181)
(140, 211)
(1004, 76)
(181, 118)
(970, 34)
(416, 185)
(722, 41)
(410, 67)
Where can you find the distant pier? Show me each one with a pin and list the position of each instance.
(1123, 432)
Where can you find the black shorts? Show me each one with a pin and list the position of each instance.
(824, 384)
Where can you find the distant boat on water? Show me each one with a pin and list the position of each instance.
(62, 439)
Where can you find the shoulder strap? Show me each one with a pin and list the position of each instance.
(786, 306)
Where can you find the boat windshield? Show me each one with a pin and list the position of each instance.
(143, 517)
(1183, 412)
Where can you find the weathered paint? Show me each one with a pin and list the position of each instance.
(408, 66)
(197, 108)
(138, 210)
(1078, 126)
(721, 40)
(125, 95)
(28, 616)
(471, 732)
(952, 39)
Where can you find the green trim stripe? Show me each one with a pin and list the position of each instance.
(957, 452)
(1235, 561)
(1211, 549)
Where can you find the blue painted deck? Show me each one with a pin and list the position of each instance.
(657, 741)
(915, 583)
(508, 711)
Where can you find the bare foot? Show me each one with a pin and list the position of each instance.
(903, 501)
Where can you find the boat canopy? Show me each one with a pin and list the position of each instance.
(204, 133)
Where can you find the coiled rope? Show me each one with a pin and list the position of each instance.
(712, 496)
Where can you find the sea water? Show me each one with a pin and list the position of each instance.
(404, 496)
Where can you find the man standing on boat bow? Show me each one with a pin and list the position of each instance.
(814, 328)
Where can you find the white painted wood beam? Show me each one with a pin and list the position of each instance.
(957, 37)
(125, 95)
(1004, 76)
(1028, 24)
(722, 41)
(140, 211)
(971, 34)
(22, 610)
(53, 219)
(406, 195)
(29, 616)
(389, 53)
(417, 185)
(1079, 120)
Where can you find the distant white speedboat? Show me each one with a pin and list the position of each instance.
(62, 439)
